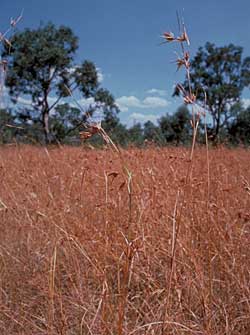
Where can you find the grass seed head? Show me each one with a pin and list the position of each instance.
(92, 130)
(169, 36)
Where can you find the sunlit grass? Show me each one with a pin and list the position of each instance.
(80, 255)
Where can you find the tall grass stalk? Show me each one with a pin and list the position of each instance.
(190, 99)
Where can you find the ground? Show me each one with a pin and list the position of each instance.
(142, 242)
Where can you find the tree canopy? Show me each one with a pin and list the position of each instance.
(41, 67)
(222, 73)
(176, 127)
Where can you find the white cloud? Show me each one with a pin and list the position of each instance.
(142, 118)
(73, 68)
(86, 102)
(28, 102)
(100, 75)
(128, 101)
(24, 101)
(246, 102)
(155, 102)
(125, 102)
(157, 91)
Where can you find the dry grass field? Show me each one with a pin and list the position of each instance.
(86, 248)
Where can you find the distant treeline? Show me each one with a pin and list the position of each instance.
(175, 129)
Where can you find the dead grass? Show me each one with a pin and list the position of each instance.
(80, 254)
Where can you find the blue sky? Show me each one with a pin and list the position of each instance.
(122, 37)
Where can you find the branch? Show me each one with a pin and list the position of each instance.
(74, 128)
(55, 103)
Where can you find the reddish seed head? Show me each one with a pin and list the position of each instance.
(84, 135)
(169, 36)
(190, 99)
(184, 37)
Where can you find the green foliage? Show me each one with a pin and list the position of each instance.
(86, 78)
(41, 66)
(65, 121)
(239, 130)
(222, 74)
(152, 133)
(40, 61)
(7, 120)
(176, 128)
(106, 102)
(135, 134)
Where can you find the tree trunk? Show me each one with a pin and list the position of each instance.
(217, 130)
(45, 121)
(45, 118)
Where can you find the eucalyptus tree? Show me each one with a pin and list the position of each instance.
(41, 69)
